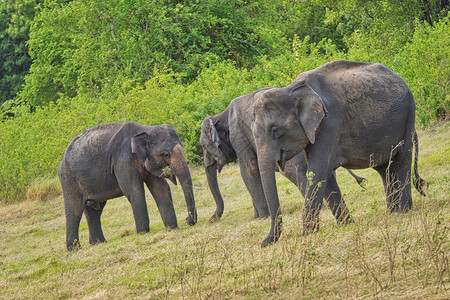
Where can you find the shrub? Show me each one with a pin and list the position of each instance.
(425, 65)
(44, 189)
(33, 142)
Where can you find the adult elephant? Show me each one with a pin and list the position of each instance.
(115, 159)
(351, 114)
(227, 137)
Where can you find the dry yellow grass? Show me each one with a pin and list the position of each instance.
(44, 189)
(384, 256)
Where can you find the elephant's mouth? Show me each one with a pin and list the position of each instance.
(282, 161)
(286, 155)
(166, 172)
(220, 165)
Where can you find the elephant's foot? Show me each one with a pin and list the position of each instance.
(344, 218)
(311, 221)
(401, 209)
(215, 217)
(73, 246)
(97, 241)
(274, 234)
(172, 226)
(261, 215)
(401, 206)
(347, 220)
(191, 220)
(310, 230)
(268, 241)
(311, 226)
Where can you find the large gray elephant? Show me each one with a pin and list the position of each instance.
(227, 137)
(351, 114)
(115, 159)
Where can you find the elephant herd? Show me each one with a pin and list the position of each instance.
(347, 114)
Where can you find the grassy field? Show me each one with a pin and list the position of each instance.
(383, 256)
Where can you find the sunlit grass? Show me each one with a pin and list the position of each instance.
(378, 256)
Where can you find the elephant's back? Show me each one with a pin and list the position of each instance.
(89, 147)
(92, 137)
(376, 109)
(374, 94)
(354, 79)
(367, 90)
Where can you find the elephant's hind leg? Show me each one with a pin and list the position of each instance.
(73, 206)
(93, 217)
(335, 201)
(401, 168)
(397, 187)
(248, 165)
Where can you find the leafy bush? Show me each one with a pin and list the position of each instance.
(32, 145)
(425, 65)
(176, 62)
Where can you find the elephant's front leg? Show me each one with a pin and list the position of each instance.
(73, 205)
(315, 192)
(132, 187)
(321, 159)
(316, 187)
(161, 193)
(250, 174)
(335, 200)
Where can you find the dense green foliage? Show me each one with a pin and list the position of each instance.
(179, 61)
(15, 21)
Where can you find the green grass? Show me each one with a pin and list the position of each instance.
(378, 256)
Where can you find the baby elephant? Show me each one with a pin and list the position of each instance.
(115, 159)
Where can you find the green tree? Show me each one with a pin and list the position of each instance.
(15, 21)
(279, 21)
(89, 47)
(425, 65)
(380, 28)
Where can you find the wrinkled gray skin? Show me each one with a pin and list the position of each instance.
(227, 137)
(350, 114)
(116, 159)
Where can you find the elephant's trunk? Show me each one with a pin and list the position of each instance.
(211, 175)
(267, 161)
(180, 168)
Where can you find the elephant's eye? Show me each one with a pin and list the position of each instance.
(166, 154)
(277, 131)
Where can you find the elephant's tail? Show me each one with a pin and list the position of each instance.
(419, 183)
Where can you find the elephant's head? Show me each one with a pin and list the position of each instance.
(285, 122)
(215, 148)
(161, 153)
(217, 152)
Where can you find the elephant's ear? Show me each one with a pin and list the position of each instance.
(139, 144)
(213, 134)
(310, 108)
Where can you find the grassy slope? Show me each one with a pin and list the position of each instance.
(382, 256)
